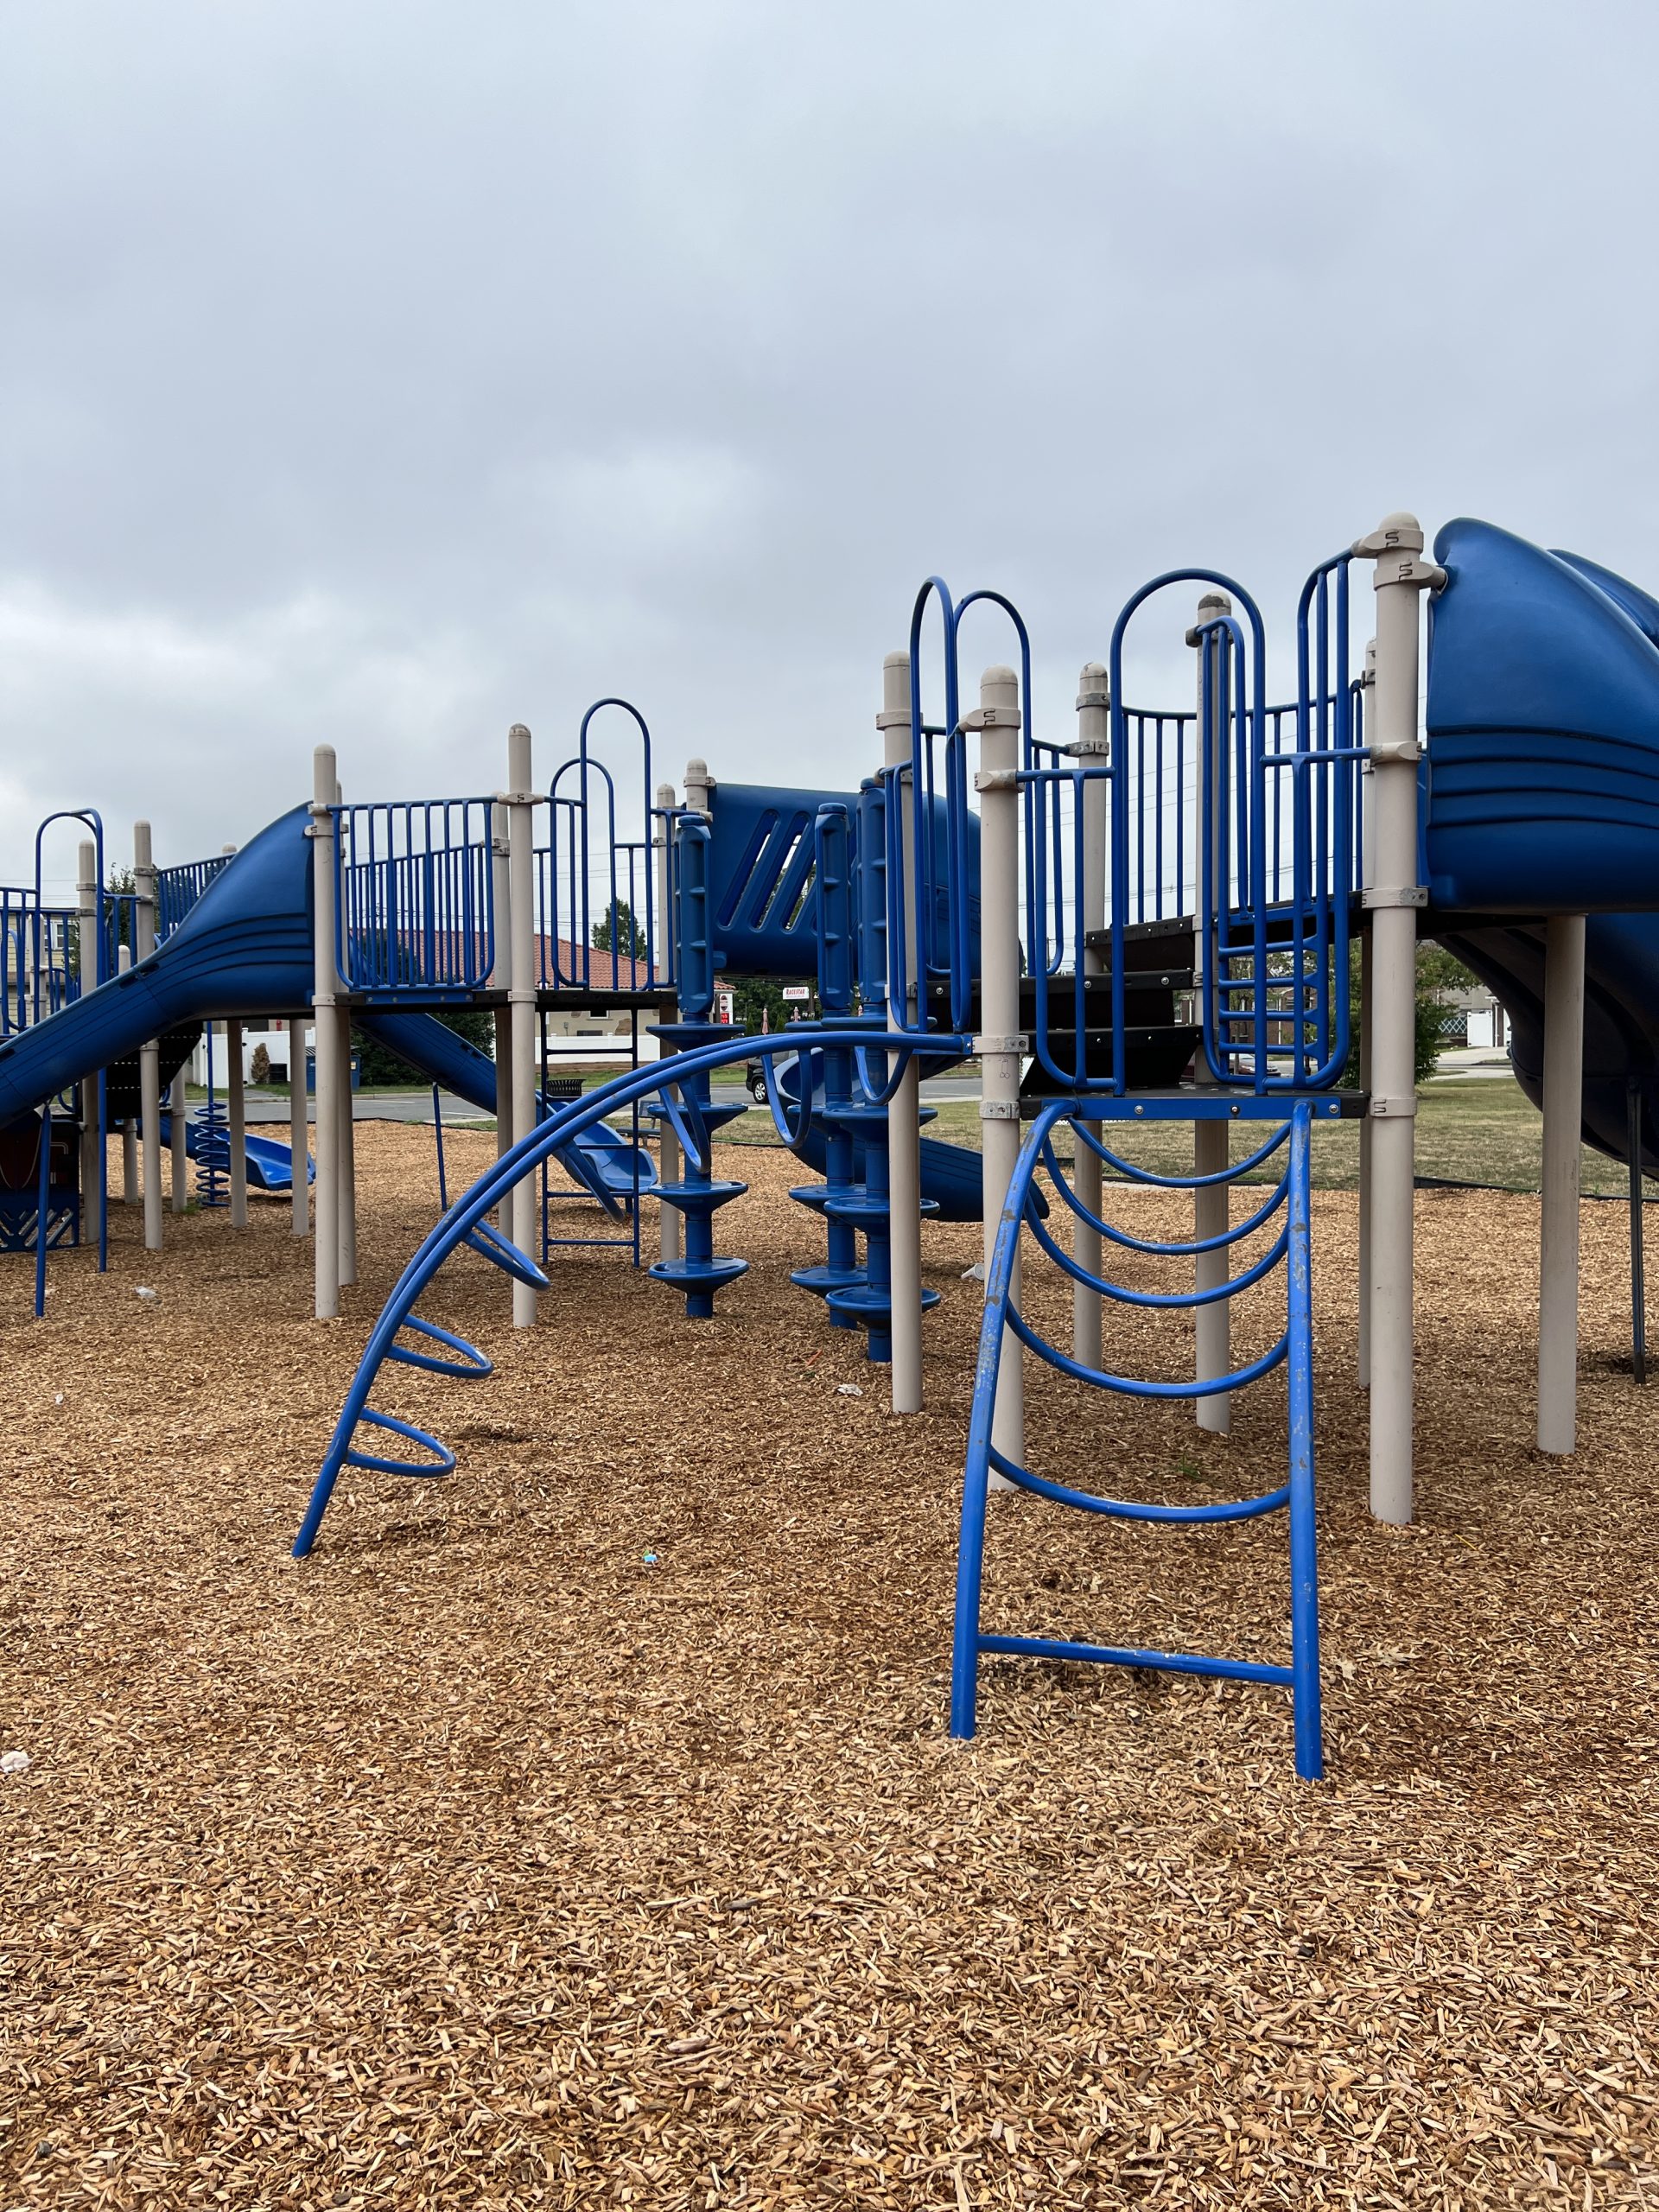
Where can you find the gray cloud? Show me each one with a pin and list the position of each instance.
(382, 374)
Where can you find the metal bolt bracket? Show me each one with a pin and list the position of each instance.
(997, 780)
(983, 1047)
(894, 718)
(992, 718)
(999, 1110)
(1090, 748)
(1397, 894)
(1393, 1109)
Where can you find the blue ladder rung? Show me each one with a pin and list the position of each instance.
(442, 1461)
(472, 1366)
(1171, 1662)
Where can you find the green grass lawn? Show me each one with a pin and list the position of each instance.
(1469, 1130)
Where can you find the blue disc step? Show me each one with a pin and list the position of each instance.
(859, 1208)
(824, 1280)
(698, 1197)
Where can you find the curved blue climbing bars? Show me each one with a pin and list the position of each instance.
(1293, 1350)
(952, 960)
(465, 1224)
(587, 852)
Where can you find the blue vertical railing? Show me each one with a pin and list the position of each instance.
(414, 903)
(177, 890)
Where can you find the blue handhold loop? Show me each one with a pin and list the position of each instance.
(874, 1090)
(442, 1461)
(484, 1238)
(1118, 1508)
(470, 1366)
(810, 1068)
(1128, 1168)
(689, 1126)
(1150, 1245)
(1124, 1296)
(1211, 1386)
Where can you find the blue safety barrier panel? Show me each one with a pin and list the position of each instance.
(415, 898)
(177, 890)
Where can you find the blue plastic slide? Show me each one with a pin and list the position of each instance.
(598, 1158)
(246, 948)
(271, 1165)
(1543, 798)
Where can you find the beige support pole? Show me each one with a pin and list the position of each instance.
(521, 865)
(179, 1142)
(1558, 1295)
(149, 1055)
(298, 1137)
(670, 1241)
(1212, 1324)
(1000, 1043)
(92, 1131)
(904, 1110)
(1393, 896)
(1092, 749)
(237, 1101)
(326, 1251)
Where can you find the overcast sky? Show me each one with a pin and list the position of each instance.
(385, 371)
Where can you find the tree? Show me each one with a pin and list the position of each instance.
(1439, 974)
(753, 995)
(260, 1065)
(617, 931)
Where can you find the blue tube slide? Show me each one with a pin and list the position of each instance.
(1543, 798)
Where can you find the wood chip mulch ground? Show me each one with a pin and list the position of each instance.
(583, 1830)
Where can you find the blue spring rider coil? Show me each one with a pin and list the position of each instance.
(212, 1144)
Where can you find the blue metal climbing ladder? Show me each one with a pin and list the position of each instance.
(1294, 1497)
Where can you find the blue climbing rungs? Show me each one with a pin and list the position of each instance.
(1294, 1497)
(512, 1258)
(1112, 1654)
(472, 1366)
(442, 1461)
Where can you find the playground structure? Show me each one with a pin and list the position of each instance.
(1150, 921)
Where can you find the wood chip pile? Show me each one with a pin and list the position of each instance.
(583, 1830)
